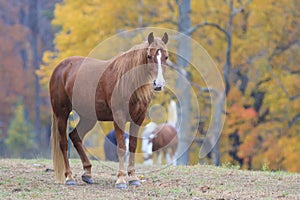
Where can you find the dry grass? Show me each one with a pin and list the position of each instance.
(30, 179)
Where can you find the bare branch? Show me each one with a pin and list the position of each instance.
(217, 26)
(294, 120)
(297, 71)
(250, 60)
(277, 51)
(170, 6)
(233, 13)
(292, 98)
(281, 48)
(229, 3)
(184, 73)
(194, 28)
(277, 80)
(240, 9)
(181, 70)
(203, 89)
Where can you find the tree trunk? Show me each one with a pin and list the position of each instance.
(184, 56)
(140, 10)
(34, 27)
(217, 128)
(24, 56)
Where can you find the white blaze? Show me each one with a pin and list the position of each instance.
(160, 81)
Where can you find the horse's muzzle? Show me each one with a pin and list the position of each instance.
(158, 86)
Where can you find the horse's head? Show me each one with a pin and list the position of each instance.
(157, 56)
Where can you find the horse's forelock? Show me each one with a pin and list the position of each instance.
(157, 44)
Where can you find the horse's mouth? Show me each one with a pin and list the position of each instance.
(157, 89)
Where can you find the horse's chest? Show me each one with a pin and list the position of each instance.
(137, 110)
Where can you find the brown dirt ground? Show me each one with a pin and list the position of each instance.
(34, 179)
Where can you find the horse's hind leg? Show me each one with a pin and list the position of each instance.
(173, 154)
(77, 136)
(168, 156)
(63, 143)
(159, 157)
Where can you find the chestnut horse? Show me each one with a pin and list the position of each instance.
(117, 90)
(159, 139)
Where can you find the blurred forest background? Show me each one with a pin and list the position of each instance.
(254, 43)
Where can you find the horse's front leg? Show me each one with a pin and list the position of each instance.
(133, 179)
(121, 150)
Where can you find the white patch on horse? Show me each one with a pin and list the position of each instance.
(127, 149)
(172, 113)
(160, 81)
(146, 144)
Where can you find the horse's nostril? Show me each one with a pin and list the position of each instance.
(154, 83)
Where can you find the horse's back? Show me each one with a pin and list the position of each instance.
(166, 136)
(64, 72)
(171, 136)
(67, 70)
(74, 82)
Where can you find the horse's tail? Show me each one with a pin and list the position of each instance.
(58, 159)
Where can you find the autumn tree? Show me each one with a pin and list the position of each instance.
(253, 43)
(255, 120)
(19, 59)
(20, 141)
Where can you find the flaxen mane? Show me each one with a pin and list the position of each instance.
(140, 79)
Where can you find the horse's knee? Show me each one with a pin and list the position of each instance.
(75, 137)
(121, 150)
(63, 146)
(132, 143)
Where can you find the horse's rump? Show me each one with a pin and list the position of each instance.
(165, 137)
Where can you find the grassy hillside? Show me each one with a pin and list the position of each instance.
(34, 179)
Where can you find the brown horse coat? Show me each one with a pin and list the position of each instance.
(117, 90)
(164, 140)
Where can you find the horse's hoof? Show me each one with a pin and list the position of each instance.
(70, 182)
(88, 179)
(135, 183)
(121, 186)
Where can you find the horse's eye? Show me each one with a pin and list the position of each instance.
(167, 57)
(149, 57)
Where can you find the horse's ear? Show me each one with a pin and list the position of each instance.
(165, 38)
(150, 38)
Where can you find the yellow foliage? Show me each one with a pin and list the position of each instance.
(258, 32)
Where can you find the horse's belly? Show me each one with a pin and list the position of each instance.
(85, 88)
(103, 112)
